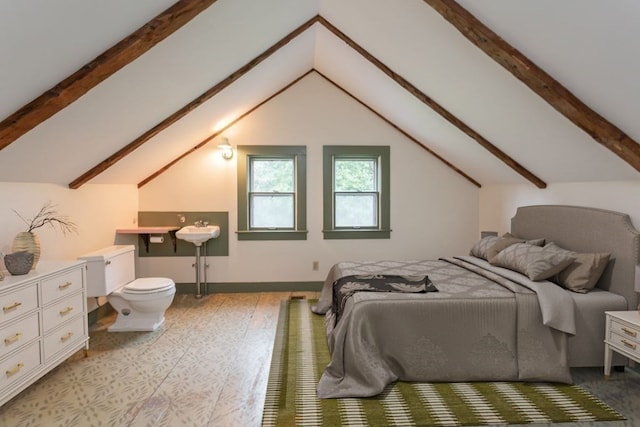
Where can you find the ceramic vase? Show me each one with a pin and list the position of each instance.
(27, 241)
(19, 263)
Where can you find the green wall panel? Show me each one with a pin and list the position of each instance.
(214, 247)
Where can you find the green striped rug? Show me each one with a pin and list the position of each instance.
(300, 355)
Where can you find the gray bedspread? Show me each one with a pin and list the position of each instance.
(480, 326)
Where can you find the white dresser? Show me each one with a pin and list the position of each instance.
(43, 321)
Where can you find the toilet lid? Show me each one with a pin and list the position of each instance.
(148, 284)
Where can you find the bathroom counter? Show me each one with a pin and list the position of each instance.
(148, 230)
(145, 233)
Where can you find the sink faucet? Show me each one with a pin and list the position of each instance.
(199, 223)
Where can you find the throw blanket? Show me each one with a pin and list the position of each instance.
(346, 286)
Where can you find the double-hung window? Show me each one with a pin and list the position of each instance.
(271, 192)
(356, 192)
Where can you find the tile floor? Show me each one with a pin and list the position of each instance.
(206, 366)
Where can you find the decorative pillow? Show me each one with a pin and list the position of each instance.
(535, 242)
(505, 241)
(480, 248)
(583, 274)
(533, 261)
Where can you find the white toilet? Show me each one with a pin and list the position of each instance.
(140, 303)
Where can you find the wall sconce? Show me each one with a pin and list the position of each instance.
(226, 149)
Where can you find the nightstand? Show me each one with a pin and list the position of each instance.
(622, 336)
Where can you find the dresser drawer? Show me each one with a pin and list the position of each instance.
(17, 334)
(630, 333)
(64, 336)
(19, 365)
(16, 303)
(61, 311)
(62, 285)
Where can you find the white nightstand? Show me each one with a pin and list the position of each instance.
(622, 336)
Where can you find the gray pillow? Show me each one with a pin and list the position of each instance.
(505, 241)
(537, 263)
(583, 273)
(479, 249)
(535, 242)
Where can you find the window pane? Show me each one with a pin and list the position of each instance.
(355, 175)
(271, 211)
(356, 210)
(272, 175)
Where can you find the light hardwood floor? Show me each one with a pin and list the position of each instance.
(206, 366)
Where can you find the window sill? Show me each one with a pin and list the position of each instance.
(272, 235)
(356, 234)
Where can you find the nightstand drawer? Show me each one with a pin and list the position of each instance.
(630, 333)
(624, 343)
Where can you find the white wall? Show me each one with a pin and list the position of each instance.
(97, 210)
(498, 203)
(434, 211)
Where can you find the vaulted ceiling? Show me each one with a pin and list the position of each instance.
(503, 91)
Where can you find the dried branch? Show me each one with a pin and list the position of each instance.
(49, 215)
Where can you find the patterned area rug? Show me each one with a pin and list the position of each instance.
(300, 355)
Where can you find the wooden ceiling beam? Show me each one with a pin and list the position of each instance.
(246, 113)
(560, 98)
(505, 158)
(99, 69)
(219, 132)
(402, 131)
(182, 112)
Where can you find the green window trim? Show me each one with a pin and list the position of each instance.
(272, 235)
(382, 153)
(299, 153)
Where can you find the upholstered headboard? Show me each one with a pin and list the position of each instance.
(587, 230)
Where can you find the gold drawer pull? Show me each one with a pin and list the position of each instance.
(14, 370)
(66, 336)
(12, 306)
(64, 285)
(630, 332)
(14, 338)
(629, 344)
(66, 311)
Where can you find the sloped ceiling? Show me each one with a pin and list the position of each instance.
(589, 46)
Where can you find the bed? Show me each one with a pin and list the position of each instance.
(487, 322)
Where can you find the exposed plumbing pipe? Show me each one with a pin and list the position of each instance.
(204, 247)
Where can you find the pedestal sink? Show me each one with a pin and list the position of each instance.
(198, 235)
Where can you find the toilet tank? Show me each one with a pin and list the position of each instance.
(109, 268)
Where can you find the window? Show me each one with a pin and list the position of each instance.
(272, 193)
(356, 192)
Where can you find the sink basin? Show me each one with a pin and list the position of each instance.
(198, 235)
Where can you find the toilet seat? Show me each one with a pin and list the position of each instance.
(148, 285)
